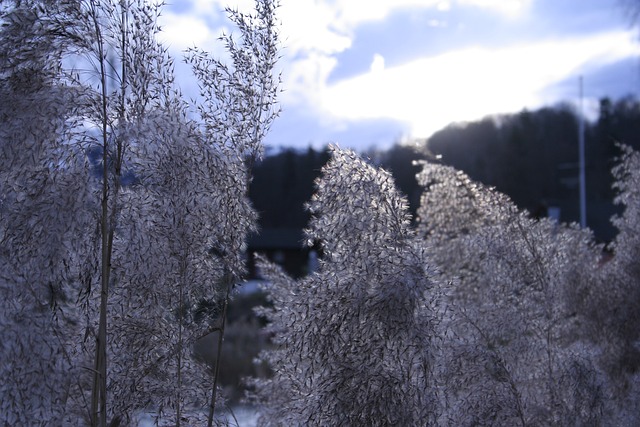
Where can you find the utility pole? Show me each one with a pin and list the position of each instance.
(583, 184)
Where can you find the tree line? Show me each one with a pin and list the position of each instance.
(285, 181)
(532, 156)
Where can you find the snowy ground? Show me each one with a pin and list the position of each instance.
(245, 416)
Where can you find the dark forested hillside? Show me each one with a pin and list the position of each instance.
(284, 182)
(532, 156)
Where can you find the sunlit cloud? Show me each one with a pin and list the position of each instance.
(355, 12)
(313, 33)
(429, 93)
(311, 26)
(444, 6)
(425, 93)
(306, 80)
(213, 7)
(182, 31)
(377, 65)
(437, 23)
(324, 26)
(510, 8)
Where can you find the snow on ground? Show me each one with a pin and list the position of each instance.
(245, 416)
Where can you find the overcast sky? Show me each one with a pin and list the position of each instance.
(371, 72)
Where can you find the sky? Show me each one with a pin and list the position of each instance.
(370, 73)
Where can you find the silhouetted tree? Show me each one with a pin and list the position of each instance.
(533, 157)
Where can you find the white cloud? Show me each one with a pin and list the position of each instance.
(468, 84)
(510, 8)
(313, 33)
(305, 80)
(444, 6)
(354, 12)
(308, 25)
(427, 93)
(377, 64)
(182, 31)
(436, 23)
(213, 7)
(329, 26)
